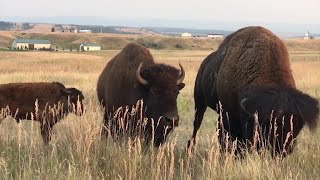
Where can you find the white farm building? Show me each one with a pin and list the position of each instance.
(215, 36)
(89, 47)
(84, 31)
(186, 34)
(31, 44)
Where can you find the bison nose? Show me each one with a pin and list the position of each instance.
(172, 121)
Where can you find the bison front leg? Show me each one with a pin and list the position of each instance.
(105, 129)
(229, 134)
(4, 112)
(2, 118)
(46, 132)
(223, 130)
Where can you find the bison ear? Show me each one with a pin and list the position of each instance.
(69, 92)
(180, 86)
(307, 108)
(74, 93)
(259, 100)
(65, 92)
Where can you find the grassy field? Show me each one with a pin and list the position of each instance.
(77, 152)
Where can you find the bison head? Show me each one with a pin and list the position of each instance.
(282, 113)
(75, 99)
(160, 85)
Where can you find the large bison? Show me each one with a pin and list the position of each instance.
(46, 103)
(133, 75)
(250, 76)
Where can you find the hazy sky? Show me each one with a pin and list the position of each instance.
(274, 11)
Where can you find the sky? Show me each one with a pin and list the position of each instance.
(199, 12)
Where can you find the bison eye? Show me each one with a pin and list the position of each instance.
(154, 92)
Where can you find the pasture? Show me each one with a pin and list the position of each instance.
(77, 152)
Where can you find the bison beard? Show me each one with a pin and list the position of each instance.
(250, 76)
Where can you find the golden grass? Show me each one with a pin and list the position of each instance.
(76, 151)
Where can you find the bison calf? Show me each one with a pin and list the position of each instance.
(46, 103)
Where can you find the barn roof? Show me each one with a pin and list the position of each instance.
(89, 44)
(33, 41)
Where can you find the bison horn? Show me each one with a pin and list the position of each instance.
(182, 75)
(243, 106)
(139, 78)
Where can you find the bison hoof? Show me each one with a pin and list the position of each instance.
(190, 146)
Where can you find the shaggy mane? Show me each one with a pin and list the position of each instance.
(160, 73)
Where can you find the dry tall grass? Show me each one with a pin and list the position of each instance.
(76, 151)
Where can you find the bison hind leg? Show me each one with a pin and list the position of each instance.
(46, 133)
(200, 110)
(107, 128)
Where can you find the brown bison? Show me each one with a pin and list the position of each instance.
(133, 75)
(250, 75)
(43, 102)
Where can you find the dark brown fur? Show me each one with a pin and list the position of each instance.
(18, 100)
(250, 72)
(118, 87)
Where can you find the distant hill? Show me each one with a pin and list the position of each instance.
(283, 29)
(152, 30)
(116, 37)
(316, 35)
(147, 30)
(196, 32)
(14, 26)
(110, 41)
(5, 25)
(109, 37)
(43, 27)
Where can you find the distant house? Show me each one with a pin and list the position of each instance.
(84, 31)
(31, 44)
(186, 34)
(215, 36)
(89, 47)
